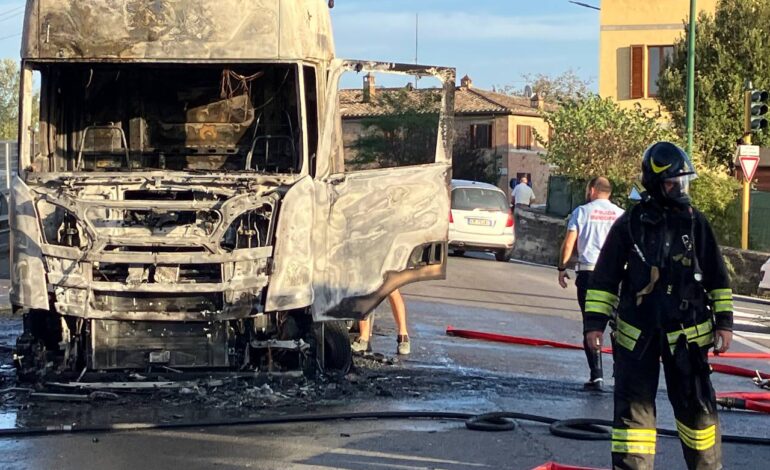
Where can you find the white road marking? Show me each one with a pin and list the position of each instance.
(742, 314)
(750, 334)
(764, 310)
(740, 338)
(750, 323)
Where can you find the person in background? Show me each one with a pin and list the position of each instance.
(588, 227)
(522, 194)
(363, 342)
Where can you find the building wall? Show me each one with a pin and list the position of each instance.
(504, 143)
(625, 23)
(526, 161)
(463, 125)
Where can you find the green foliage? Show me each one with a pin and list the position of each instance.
(731, 46)
(473, 164)
(593, 136)
(9, 99)
(717, 195)
(404, 134)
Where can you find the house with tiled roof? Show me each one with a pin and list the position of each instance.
(496, 124)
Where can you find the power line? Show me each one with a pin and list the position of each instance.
(12, 11)
(584, 5)
(10, 17)
(10, 36)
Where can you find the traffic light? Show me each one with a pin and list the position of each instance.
(756, 109)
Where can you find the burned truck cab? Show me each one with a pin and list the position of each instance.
(182, 199)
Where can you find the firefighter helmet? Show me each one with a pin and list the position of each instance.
(666, 174)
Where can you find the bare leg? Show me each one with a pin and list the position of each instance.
(399, 312)
(364, 329)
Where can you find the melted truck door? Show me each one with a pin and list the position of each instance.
(380, 228)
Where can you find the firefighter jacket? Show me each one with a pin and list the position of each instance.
(671, 276)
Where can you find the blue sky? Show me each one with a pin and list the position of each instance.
(495, 42)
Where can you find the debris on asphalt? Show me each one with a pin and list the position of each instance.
(100, 395)
(58, 396)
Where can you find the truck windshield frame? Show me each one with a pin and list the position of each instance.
(208, 117)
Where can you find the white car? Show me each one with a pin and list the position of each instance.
(480, 219)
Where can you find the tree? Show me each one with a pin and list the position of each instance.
(731, 46)
(403, 133)
(593, 136)
(565, 86)
(9, 99)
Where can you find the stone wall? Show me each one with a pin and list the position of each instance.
(538, 236)
(745, 269)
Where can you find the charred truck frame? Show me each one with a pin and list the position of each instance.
(187, 204)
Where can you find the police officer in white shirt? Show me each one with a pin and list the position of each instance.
(589, 225)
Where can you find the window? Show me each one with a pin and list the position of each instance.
(657, 56)
(469, 199)
(171, 117)
(524, 137)
(481, 136)
(637, 72)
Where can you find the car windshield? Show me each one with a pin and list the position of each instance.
(468, 199)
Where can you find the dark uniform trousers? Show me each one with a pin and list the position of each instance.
(636, 386)
(582, 280)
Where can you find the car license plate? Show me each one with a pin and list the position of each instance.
(480, 222)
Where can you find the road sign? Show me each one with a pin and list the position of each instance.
(748, 150)
(749, 166)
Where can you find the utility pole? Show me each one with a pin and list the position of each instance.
(746, 197)
(691, 76)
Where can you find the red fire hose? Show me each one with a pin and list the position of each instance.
(738, 400)
(558, 466)
(730, 400)
(737, 371)
(470, 334)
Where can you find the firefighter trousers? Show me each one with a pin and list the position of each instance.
(636, 386)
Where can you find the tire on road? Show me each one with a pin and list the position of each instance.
(503, 255)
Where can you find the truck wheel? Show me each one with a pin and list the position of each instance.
(338, 357)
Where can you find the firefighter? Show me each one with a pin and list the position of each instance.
(674, 303)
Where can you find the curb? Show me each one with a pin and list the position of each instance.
(753, 300)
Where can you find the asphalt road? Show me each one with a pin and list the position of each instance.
(443, 373)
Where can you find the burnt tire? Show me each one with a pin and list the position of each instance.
(338, 357)
(503, 255)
